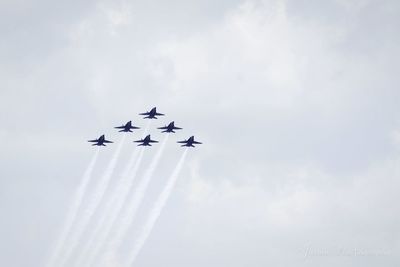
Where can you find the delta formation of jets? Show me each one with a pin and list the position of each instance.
(147, 141)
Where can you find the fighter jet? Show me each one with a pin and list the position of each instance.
(170, 128)
(100, 141)
(189, 142)
(127, 127)
(146, 141)
(151, 114)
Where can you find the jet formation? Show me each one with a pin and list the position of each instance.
(147, 141)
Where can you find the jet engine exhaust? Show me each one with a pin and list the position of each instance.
(119, 198)
(94, 236)
(93, 204)
(156, 211)
(73, 210)
(133, 204)
(117, 203)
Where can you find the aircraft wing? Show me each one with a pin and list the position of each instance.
(120, 127)
(146, 113)
(93, 141)
(163, 128)
(182, 142)
(195, 142)
(106, 141)
(159, 114)
(177, 128)
(139, 141)
(153, 141)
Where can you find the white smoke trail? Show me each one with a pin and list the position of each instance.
(94, 201)
(116, 205)
(105, 215)
(132, 206)
(73, 211)
(156, 211)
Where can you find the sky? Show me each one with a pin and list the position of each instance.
(296, 102)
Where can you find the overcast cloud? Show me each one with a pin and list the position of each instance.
(296, 102)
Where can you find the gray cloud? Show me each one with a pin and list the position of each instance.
(296, 102)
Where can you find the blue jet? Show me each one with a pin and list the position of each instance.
(189, 143)
(101, 141)
(146, 141)
(127, 127)
(152, 114)
(170, 128)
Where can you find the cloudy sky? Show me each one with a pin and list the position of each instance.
(297, 103)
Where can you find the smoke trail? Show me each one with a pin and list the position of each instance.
(132, 205)
(117, 203)
(156, 211)
(73, 210)
(109, 206)
(114, 207)
(93, 204)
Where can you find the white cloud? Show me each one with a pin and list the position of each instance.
(354, 213)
